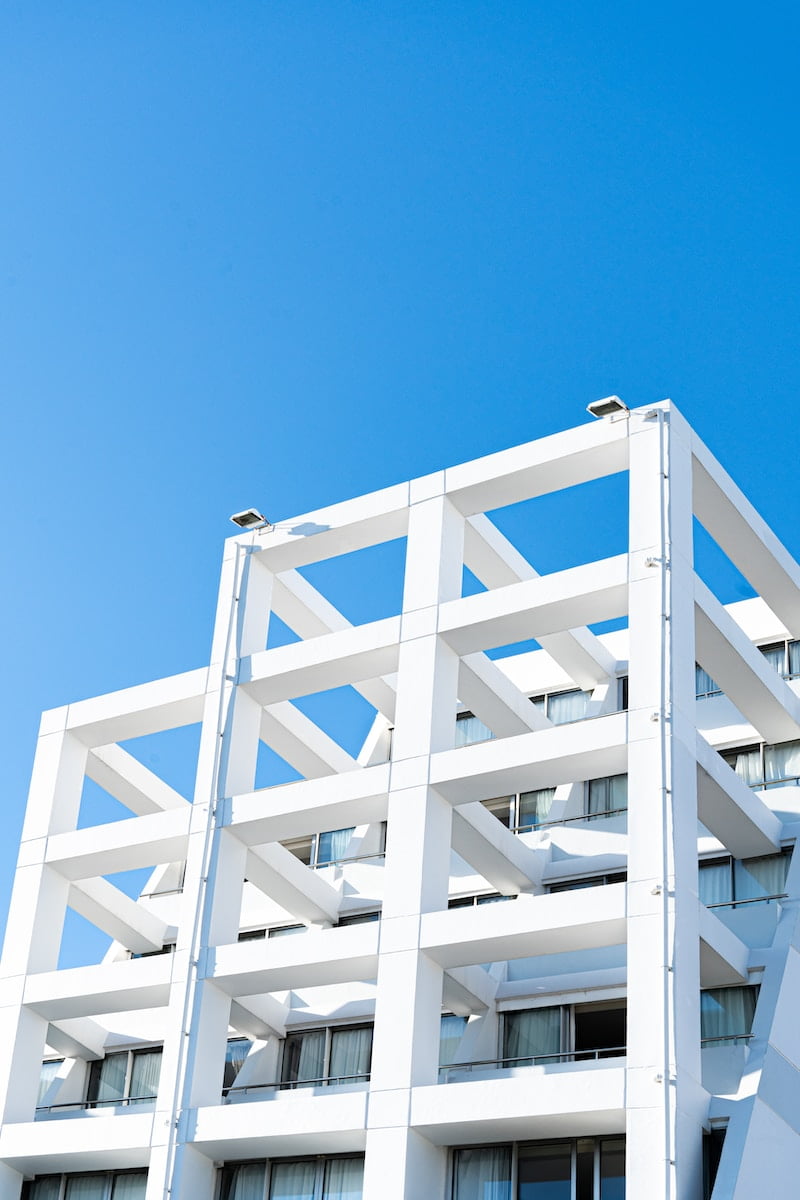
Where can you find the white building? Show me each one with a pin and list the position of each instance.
(622, 1025)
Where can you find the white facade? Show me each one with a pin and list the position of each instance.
(652, 1012)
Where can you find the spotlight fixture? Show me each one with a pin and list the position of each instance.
(251, 518)
(608, 407)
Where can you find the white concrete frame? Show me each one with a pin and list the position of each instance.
(219, 866)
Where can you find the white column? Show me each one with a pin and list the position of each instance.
(663, 1094)
(399, 1162)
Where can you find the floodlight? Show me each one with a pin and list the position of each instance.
(607, 407)
(251, 518)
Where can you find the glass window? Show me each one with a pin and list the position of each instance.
(586, 1169)
(563, 707)
(128, 1076)
(545, 1172)
(295, 1179)
(343, 1179)
(534, 807)
(782, 762)
(244, 1182)
(704, 685)
(727, 881)
(607, 796)
(350, 1053)
(746, 762)
(470, 729)
(450, 1034)
(48, 1188)
(726, 1014)
(327, 1055)
(46, 1076)
(292, 1180)
(130, 1187)
(236, 1052)
(794, 659)
(715, 881)
(775, 656)
(332, 845)
(531, 1034)
(482, 1174)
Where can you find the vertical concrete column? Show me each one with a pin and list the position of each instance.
(399, 1162)
(36, 914)
(192, 1067)
(663, 1093)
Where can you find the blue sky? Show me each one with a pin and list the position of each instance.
(284, 253)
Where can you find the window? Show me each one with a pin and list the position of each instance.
(236, 1051)
(588, 881)
(523, 811)
(451, 1031)
(586, 1169)
(563, 707)
(606, 797)
(726, 881)
(48, 1073)
(726, 1014)
(571, 1033)
(294, 1179)
(128, 1077)
(471, 901)
(109, 1185)
(341, 1054)
(783, 657)
(470, 729)
(322, 849)
(363, 918)
(704, 685)
(766, 766)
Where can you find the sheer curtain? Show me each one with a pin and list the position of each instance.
(727, 1012)
(471, 729)
(107, 1079)
(245, 1182)
(130, 1187)
(351, 1051)
(289, 1181)
(344, 1179)
(86, 1187)
(746, 763)
(47, 1075)
(775, 656)
(782, 761)
(531, 1033)
(483, 1174)
(46, 1189)
(236, 1052)
(567, 706)
(606, 796)
(714, 884)
(451, 1032)
(304, 1056)
(704, 685)
(760, 876)
(534, 807)
(333, 844)
(145, 1074)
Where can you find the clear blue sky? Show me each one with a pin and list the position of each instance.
(286, 252)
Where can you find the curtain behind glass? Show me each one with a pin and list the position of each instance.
(756, 877)
(483, 1174)
(714, 882)
(304, 1056)
(130, 1187)
(775, 656)
(86, 1187)
(782, 761)
(107, 1078)
(343, 1179)
(704, 685)
(607, 795)
(351, 1051)
(727, 1012)
(245, 1182)
(451, 1032)
(333, 844)
(47, 1075)
(534, 807)
(471, 729)
(145, 1074)
(290, 1181)
(746, 764)
(236, 1052)
(531, 1033)
(567, 706)
(794, 659)
(45, 1189)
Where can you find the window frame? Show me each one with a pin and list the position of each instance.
(126, 1100)
(730, 861)
(321, 1162)
(110, 1177)
(326, 1079)
(514, 1148)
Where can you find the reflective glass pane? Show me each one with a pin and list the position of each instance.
(760, 876)
(304, 1056)
(48, 1188)
(145, 1072)
(567, 706)
(704, 685)
(46, 1076)
(236, 1052)
(451, 1032)
(775, 656)
(746, 763)
(107, 1078)
(534, 807)
(531, 1034)
(332, 845)
(291, 1181)
(502, 808)
(794, 658)
(482, 1174)
(351, 1051)
(86, 1187)
(727, 1012)
(714, 882)
(545, 1172)
(612, 1169)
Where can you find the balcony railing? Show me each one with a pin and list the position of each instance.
(748, 900)
(377, 856)
(284, 1085)
(726, 1039)
(595, 816)
(84, 1105)
(447, 1073)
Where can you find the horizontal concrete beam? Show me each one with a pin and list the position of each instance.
(137, 711)
(120, 845)
(597, 591)
(105, 988)
(308, 960)
(563, 754)
(334, 660)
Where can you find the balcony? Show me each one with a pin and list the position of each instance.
(489, 1068)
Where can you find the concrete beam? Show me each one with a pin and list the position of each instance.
(491, 695)
(297, 809)
(109, 909)
(120, 845)
(313, 959)
(125, 778)
(298, 740)
(497, 563)
(495, 853)
(259, 1017)
(78, 1037)
(276, 872)
(105, 988)
(731, 810)
(467, 990)
(137, 711)
(723, 956)
(597, 591)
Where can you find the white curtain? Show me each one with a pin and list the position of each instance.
(761, 876)
(108, 1077)
(746, 764)
(531, 1033)
(245, 1182)
(304, 1056)
(567, 706)
(46, 1189)
(483, 1174)
(727, 1012)
(451, 1032)
(782, 761)
(704, 685)
(145, 1074)
(609, 795)
(351, 1051)
(86, 1187)
(333, 844)
(471, 729)
(534, 807)
(130, 1187)
(290, 1181)
(775, 656)
(344, 1179)
(714, 882)
(47, 1075)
